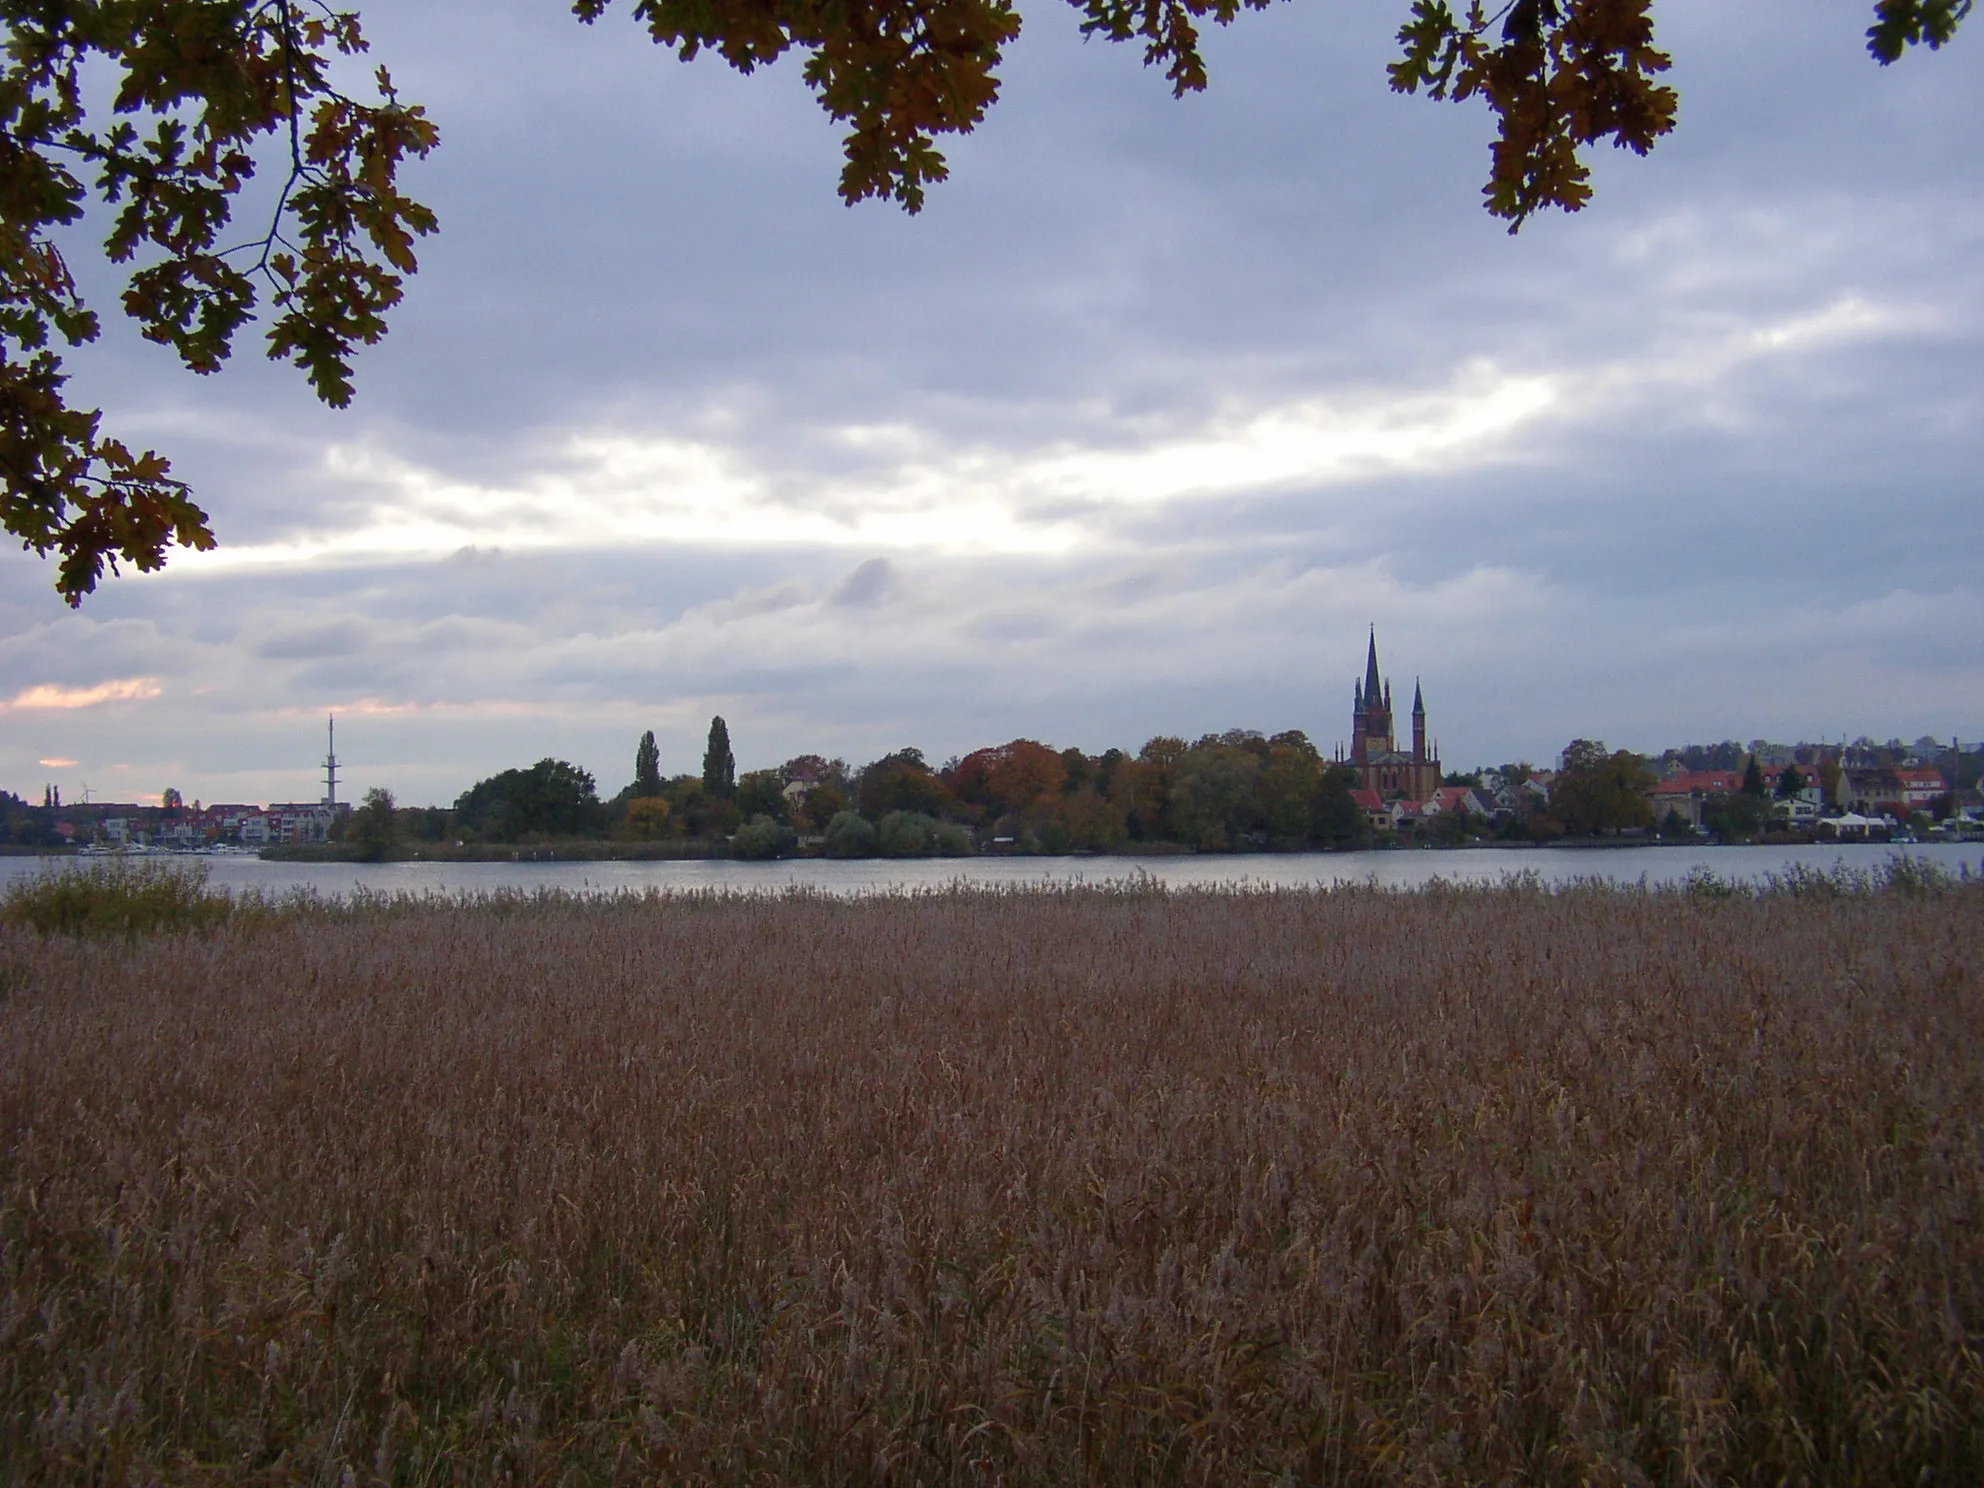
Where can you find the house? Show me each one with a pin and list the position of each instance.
(296, 821)
(1921, 787)
(1463, 800)
(1377, 815)
(1875, 791)
(1686, 794)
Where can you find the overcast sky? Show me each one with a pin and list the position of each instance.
(1154, 409)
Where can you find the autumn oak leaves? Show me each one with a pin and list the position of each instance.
(223, 89)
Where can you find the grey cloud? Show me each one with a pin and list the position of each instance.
(634, 246)
(337, 639)
(866, 586)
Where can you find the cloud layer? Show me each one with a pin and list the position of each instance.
(1134, 431)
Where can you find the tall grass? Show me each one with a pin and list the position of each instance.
(1078, 1185)
(115, 896)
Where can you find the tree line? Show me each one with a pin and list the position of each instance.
(1230, 791)
(1221, 792)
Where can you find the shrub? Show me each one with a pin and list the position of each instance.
(951, 840)
(904, 834)
(849, 835)
(1047, 837)
(119, 897)
(762, 839)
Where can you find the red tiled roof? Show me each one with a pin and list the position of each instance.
(1702, 782)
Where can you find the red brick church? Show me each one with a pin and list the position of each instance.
(1381, 765)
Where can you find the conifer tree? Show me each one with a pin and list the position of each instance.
(719, 768)
(1753, 779)
(647, 766)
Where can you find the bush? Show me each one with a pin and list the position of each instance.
(905, 834)
(952, 840)
(850, 836)
(1049, 838)
(115, 898)
(762, 839)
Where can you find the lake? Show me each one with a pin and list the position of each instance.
(879, 875)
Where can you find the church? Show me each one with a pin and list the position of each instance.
(1381, 765)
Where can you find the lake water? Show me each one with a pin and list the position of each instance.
(1654, 865)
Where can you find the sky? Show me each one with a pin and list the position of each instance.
(1154, 410)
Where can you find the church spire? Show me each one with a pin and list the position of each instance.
(1418, 702)
(1372, 687)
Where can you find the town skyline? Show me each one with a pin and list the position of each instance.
(1134, 430)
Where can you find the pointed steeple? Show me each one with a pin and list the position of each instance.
(1372, 687)
(1418, 702)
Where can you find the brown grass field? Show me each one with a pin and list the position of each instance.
(1104, 1185)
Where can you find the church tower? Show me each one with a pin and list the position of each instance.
(1381, 765)
(1371, 719)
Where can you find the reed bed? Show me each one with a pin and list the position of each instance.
(1091, 1185)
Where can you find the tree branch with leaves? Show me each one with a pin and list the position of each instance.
(204, 90)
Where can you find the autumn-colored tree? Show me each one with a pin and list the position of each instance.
(648, 819)
(1025, 773)
(164, 110)
(814, 769)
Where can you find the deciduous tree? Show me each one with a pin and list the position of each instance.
(375, 826)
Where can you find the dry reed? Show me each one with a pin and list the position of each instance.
(1081, 1185)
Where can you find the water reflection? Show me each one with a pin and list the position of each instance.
(871, 876)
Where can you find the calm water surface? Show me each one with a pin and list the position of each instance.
(871, 876)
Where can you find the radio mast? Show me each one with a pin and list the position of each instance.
(331, 762)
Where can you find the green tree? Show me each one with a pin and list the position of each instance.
(762, 793)
(1287, 790)
(849, 835)
(647, 766)
(375, 826)
(1601, 792)
(1213, 800)
(1734, 817)
(1789, 783)
(762, 839)
(1335, 819)
(552, 798)
(905, 834)
(902, 782)
(719, 767)
(1753, 780)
